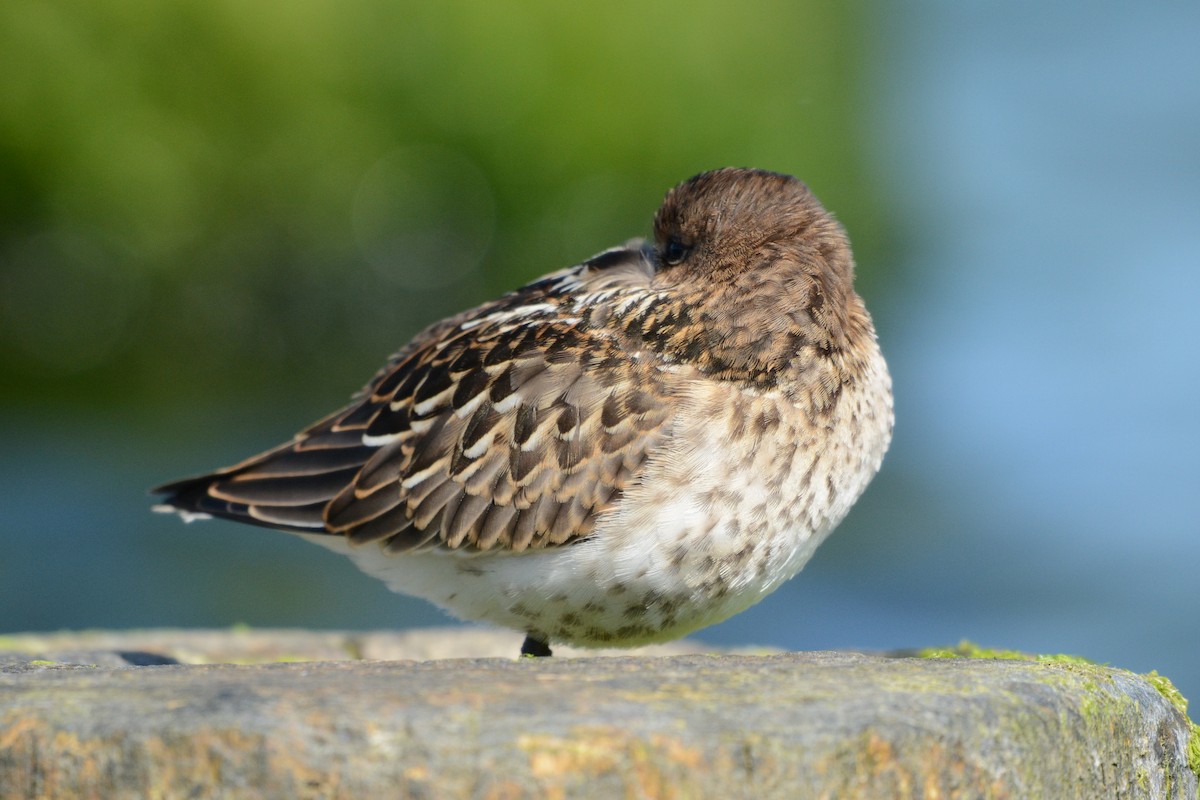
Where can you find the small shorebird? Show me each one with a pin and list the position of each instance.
(618, 453)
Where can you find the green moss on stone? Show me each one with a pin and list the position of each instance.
(1093, 706)
(967, 649)
(1168, 690)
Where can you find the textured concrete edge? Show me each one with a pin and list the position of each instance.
(101, 648)
(1163, 684)
(655, 759)
(1167, 689)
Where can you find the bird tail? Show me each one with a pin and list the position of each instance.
(286, 488)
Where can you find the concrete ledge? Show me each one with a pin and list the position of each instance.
(837, 725)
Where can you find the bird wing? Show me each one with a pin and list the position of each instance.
(511, 426)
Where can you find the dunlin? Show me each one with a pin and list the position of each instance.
(618, 453)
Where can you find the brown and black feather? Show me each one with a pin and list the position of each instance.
(515, 424)
(511, 426)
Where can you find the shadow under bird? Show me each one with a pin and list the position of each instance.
(618, 453)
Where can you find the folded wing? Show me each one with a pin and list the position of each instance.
(512, 426)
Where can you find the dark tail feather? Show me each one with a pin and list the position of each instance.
(286, 488)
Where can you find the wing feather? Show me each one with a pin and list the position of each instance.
(512, 426)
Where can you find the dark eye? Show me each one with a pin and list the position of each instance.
(673, 252)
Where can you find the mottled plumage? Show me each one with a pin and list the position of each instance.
(617, 453)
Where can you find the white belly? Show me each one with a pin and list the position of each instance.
(721, 517)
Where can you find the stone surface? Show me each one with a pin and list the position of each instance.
(836, 725)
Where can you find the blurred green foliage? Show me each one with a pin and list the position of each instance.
(200, 199)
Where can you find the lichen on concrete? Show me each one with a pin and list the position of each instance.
(1167, 689)
(1094, 706)
(985, 723)
(968, 649)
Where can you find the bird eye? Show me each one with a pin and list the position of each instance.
(674, 252)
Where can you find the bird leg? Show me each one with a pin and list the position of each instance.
(535, 648)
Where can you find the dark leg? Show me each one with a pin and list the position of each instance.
(535, 648)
